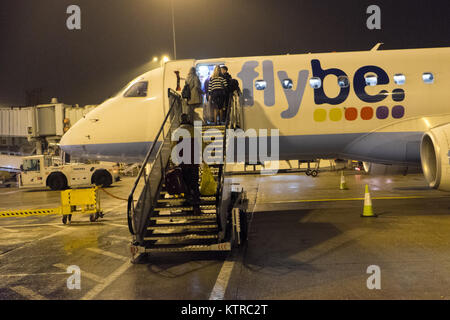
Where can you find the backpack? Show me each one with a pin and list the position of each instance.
(174, 181)
(233, 85)
(186, 93)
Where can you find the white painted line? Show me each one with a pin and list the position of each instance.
(115, 224)
(59, 225)
(28, 293)
(218, 292)
(30, 274)
(8, 230)
(120, 238)
(54, 234)
(114, 208)
(109, 254)
(34, 242)
(86, 274)
(220, 287)
(108, 280)
(9, 192)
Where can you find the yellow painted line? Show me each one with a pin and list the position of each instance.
(350, 199)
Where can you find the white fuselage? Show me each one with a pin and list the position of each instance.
(382, 123)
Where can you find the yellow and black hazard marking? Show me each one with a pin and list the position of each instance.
(28, 213)
(74, 201)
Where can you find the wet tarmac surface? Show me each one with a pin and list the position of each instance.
(306, 241)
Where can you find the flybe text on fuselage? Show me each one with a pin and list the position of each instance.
(294, 97)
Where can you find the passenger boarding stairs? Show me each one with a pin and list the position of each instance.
(163, 223)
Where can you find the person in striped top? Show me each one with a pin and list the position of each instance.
(217, 92)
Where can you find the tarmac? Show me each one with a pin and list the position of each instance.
(306, 241)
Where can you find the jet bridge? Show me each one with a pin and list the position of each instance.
(159, 223)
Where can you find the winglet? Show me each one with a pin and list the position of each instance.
(375, 48)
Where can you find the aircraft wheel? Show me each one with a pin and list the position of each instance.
(314, 173)
(308, 172)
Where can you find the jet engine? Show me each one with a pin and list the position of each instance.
(434, 155)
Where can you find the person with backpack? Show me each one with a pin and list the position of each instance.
(217, 92)
(229, 90)
(184, 177)
(192, 92)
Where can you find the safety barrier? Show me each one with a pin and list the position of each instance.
(73, 201)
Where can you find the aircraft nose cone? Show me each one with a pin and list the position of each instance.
(73, 138)
(66, 142)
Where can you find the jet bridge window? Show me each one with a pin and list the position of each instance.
(428, 77)
(287, 84)
(315, 82)
(343, 82)
(138, 89)
(371, 80)
(260, 84)
(399, 78)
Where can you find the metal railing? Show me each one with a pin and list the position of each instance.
(236, 112)
(160, 150)
(138, 215)
(233, 120)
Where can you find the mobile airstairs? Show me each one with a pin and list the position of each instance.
(162, 223)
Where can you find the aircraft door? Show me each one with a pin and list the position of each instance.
(175, 73)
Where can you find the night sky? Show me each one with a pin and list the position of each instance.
(119, 37)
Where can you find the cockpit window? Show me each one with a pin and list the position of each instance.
(139, 89)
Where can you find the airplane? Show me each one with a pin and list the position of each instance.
(377, 106)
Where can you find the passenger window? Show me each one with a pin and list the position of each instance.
(343, 82)
(315, 82)
(399, 78)
(287, 84)
(371, 80)
(138, 89)
(428, 77)
(260, 84)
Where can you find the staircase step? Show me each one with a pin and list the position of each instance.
(168, 213)
(182, 236)
(213, 126)
(204, 216)
(180, 201)
(163, 193)
(206, 225)
(180, 248)
(184, 208)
